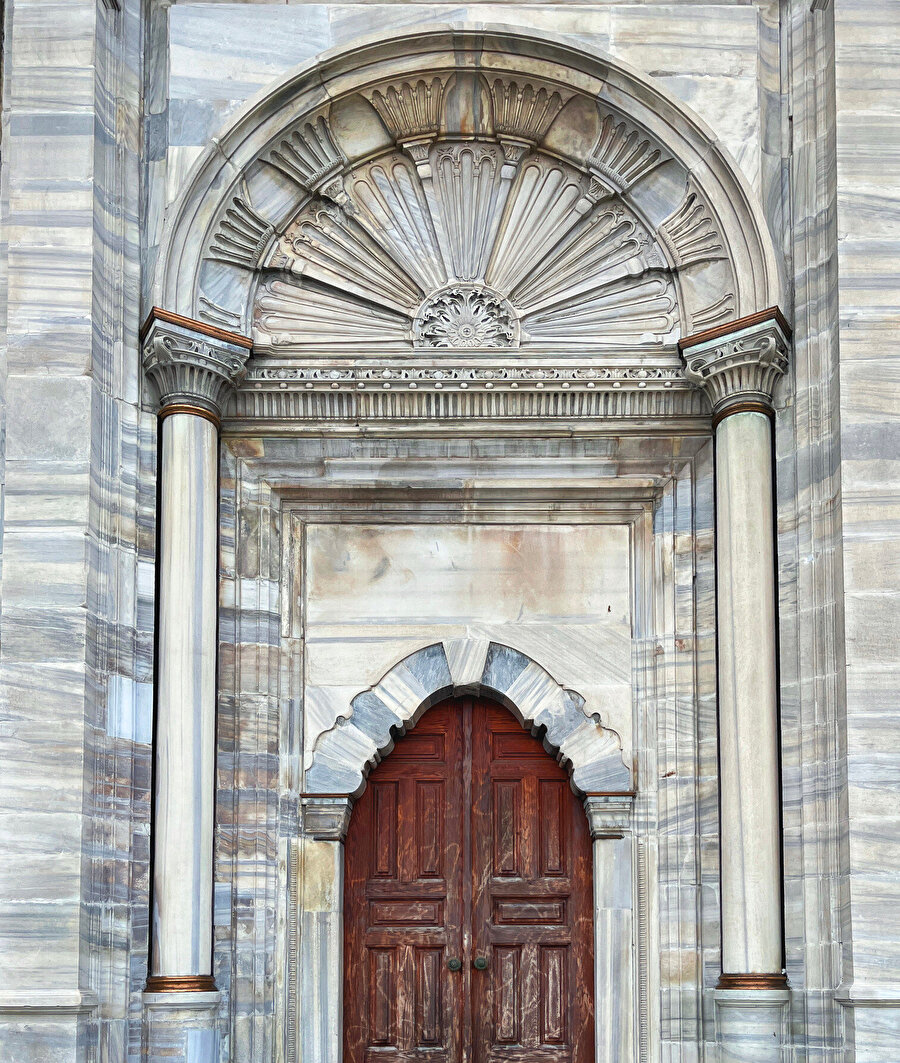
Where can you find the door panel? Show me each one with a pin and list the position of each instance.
(402, 901)
(532, 899)
(468, 844)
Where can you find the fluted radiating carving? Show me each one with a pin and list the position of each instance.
(310, 157)
(241, 236)
(523, 111)
(624, 154)
(572, 265)
(409, 109)
(691, 233)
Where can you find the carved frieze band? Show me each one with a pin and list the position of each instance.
(191, 364)
(739, 365)
(510, 377)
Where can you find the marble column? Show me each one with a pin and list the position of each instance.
(193, 367)
(609, 817)
(738, 365)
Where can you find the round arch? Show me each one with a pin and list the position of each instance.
(280, 230)
(345, 754)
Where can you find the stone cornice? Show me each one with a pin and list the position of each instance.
(192, 364)
(738, 365)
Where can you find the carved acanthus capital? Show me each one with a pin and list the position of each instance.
(738, 364)
(192, 363)
(609, 815)
(326, 817)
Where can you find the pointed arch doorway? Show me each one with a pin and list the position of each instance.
(467, 899)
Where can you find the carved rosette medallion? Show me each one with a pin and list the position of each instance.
(466, 315)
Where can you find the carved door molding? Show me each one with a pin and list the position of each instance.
(468, 900)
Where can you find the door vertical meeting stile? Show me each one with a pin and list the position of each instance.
(468, 944)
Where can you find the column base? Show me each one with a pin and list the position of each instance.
(752, 1025)
(181, 1027)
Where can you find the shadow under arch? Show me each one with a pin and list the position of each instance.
(345, 754)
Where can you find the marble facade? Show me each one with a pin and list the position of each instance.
(484, 464)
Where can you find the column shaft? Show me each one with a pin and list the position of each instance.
(748, 718)
(186, 684)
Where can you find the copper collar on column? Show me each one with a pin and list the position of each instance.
(180, 983)
(752, 981)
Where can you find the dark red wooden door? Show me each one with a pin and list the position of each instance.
(468, 845)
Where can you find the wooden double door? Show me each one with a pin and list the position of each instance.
(467, 900)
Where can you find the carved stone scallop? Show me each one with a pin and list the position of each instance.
(523, 111)
(690, 232)
(242, 235)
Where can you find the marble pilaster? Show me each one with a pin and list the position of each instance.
(609, 817)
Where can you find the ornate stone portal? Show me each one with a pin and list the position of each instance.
(460, 231)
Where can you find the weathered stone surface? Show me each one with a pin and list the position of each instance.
(107, 106)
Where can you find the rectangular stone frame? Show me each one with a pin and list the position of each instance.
(261, 649)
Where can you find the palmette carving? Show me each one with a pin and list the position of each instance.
(690, 232)
(523, 111)
(310, 156)
(547, 201)
(600, 248)
(409, 109)
(566, 260)
(392, 207)
(241, 236)
(471, 197)
(288, 315)
(327, 245)
(624, 154)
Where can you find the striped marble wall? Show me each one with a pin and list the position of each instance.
(106, 103)
(868, 155)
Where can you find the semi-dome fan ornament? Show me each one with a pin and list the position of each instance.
(466, 228)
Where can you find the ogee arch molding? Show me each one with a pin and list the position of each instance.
(344, 755)
(465, 186)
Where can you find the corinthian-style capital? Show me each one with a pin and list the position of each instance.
(738, 364)
(192, 364)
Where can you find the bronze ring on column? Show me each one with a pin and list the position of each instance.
(180, 983)
(748, 406)
(752, 981)
(195, 411)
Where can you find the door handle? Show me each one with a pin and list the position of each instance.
(454, 964)
(479, 963)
